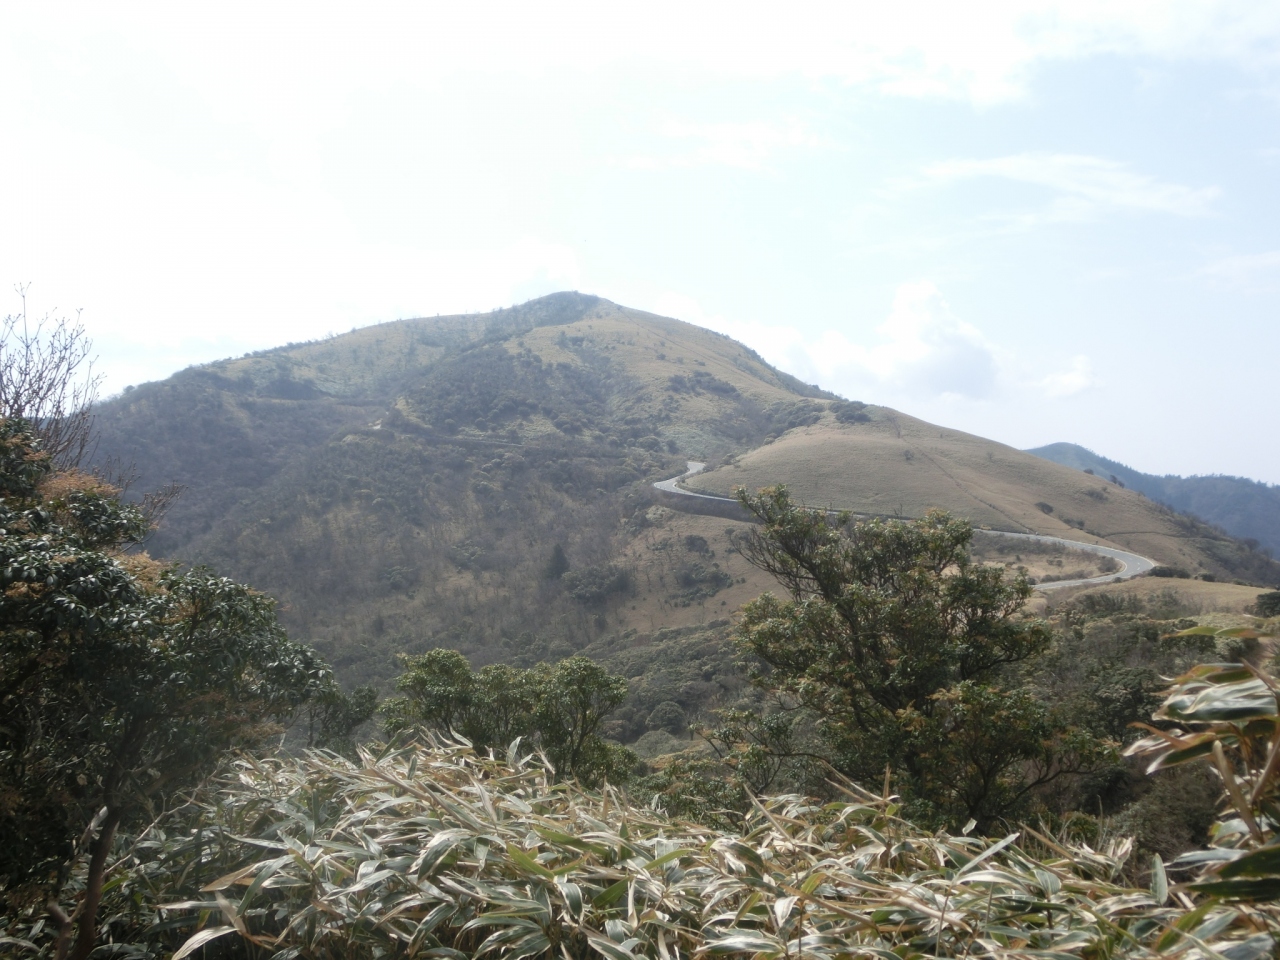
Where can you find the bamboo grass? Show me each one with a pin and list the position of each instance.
(431, 850)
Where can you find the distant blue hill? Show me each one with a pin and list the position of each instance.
(1246, 509)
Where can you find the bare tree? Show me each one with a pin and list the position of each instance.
(47, 378)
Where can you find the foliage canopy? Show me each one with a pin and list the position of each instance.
(898, 643)
(121, 681)
(559, 708)
(1268, 604)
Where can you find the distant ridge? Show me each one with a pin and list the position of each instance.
(1244, 508)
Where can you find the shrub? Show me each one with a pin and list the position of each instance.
(696, 544)
(1268, 604)
(899, 644)
(592, 586)
(668, 716)
(557, 564)
(699, 581)
(559, 709)
(854, 411)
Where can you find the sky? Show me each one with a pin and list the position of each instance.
(1033, 221)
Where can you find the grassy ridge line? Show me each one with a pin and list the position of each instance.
(1133, 564)
(896, 465)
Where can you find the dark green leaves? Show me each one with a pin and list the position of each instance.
(555, 708)
(121, 681)
(1226, 714)
(897, 643)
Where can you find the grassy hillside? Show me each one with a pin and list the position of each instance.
(1171, 597)
(566, 372)
(406, 486)
(894, 464)
(1243, 508)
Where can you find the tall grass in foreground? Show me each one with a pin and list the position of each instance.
(434, 851)
(431, 850)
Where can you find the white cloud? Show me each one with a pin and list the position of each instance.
(923, 355)
(1075, 379)
(281, 62)
(922, 351)
(1086, 186)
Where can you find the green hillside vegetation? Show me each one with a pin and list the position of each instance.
(404, 486)
(1243, 508)
(483, 484)
(127, 681)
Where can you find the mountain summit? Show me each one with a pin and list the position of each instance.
(485, 482)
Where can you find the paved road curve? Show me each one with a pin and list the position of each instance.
(1131, 564)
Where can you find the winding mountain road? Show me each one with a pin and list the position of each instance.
(1131, 564)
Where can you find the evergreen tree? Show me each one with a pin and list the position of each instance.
(121, 680)
(558, 565)
(559, 708)
(901, 647)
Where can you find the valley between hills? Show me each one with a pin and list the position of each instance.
(485, 483)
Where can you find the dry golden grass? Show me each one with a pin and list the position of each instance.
(350, 363)
(1051, 565)
(644, 348)
(650, 350)
(1196, 595)
(898, 465)
(658, 550)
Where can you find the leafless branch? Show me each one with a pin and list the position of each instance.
(47, 378)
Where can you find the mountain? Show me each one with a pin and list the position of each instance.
(1244, 508)
(567, 374)
(407, 485)
(485, 483)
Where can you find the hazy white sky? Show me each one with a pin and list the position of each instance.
(1033, 221)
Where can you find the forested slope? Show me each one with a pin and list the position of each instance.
(406, 485)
